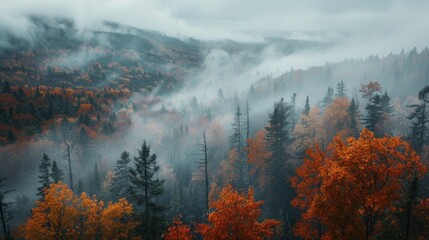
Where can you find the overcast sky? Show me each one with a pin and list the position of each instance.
(377, 26)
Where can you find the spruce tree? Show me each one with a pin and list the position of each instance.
(44, 175)
(144, 189)
(341, 89)
(306, 107)
(353, 113)
(373, 116)
(420, 117)
(4, 214)
(236, 142)
(56, 173)
(277, 139)
(329, 97)
(120, 182)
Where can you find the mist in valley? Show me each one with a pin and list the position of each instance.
(105, 76)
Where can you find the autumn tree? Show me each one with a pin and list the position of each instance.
(144, 188)
(44, 175)
(308, 183)
(178, 231)
(360, 181)
(121, 183)
(257, 155)
(336, 119)
(62, 215)
(236, 216)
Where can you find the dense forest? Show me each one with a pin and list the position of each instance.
(105, 140)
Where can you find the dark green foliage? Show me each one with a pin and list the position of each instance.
(6, 87)
(44, 175)
(144, 189)
(379, 109)
(236, 142)
(420, 117)
(277, 140)
(56, 173)
(120, 182)
(306, 107)
(329, 97)
(353, 113)
(341, 89)
(4, 213)
(11, 137)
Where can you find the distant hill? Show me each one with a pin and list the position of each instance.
(57, 54)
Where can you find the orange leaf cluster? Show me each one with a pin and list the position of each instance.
(347, 190)
(62, 215)
(235, 216)
(178, 231)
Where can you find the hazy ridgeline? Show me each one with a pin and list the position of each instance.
(209, 110)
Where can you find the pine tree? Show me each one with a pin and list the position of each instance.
(120, 182)
(306, 107)
(353, 113)
(11, 137)
(293, 105)
(277, 140)
(44, 175)
(373, 117)
(56, 173)
(236, 142)
(144, 189)
(420, 117)
(6, 87)
(341, 89)
(329, 97)
(3, 208)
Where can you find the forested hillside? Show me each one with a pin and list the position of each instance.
(101, 137)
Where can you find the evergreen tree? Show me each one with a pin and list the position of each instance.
(329, 97)
(306, 107)
(6, 87)
(236, 142)
(293, 106)
(44, 175)
(341, 89)
(277, 139)
(353, 113)
(144, 188)
(11, 137)
(4, 214)
(56, 173)
(420, 117)
(120, 182)
(373, 117)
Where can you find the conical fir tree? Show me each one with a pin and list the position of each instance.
(57, 173)
(44, 175)
(121, 181)
(144, 188)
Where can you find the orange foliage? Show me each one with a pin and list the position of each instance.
(257, 153)
(369, 89)
(227, 167)
(62, 215)
(235, 216)
(336, 119)
(84, 108)
(178, 231)
(348, 189)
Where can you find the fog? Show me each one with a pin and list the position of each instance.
(275, 39)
